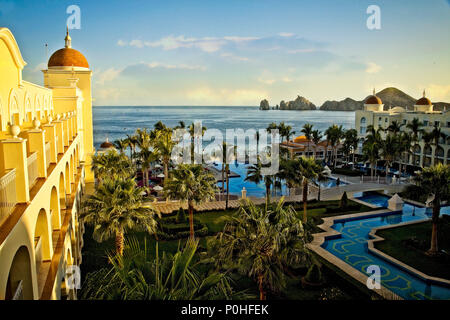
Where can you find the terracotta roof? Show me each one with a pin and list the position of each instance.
(373, 100)
(67, 57)
(106, 145)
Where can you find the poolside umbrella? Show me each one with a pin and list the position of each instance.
(327, 170)
(158, 188)
(161, 175)
(157, 166)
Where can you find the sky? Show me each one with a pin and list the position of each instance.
(238, 52)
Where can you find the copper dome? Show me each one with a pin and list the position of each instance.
(67, 57)
(373, 100)
(423, 102)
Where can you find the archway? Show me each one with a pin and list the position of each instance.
(42, 239)
(20, 283)
(55, 210)
(68, 178)
(362, 123)
(62, 192)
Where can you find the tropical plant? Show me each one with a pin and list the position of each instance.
(193, 184)
(351, 142)
(121, 145)
(308, 132)
(371, 147)
(261, 243)
(138, 276)
(111, 164)
(316, 138)
(389, 150)
(435, 181)
(309, 170)
(254, 174)
(115, 208)
(415, 126)
(163, 146)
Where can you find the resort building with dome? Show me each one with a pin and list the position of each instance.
(424, 154)
(46, 143)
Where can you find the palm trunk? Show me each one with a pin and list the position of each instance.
(191, 219)
(119, 242)
(223, 178)
(305, 200)
(262, 294)
(318, 193)
(228, 188)
(434, 231)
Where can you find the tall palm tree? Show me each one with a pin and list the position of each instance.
(121, 145)
(308, 170)
(131, 142)
(193, 184)
(254, 174)
(389, 150)
(395, 127)
(437, 135)
(115, 208)
(111, 164)
(147, 158)
(164, 145)
(261, 243)
(371, 147)
(435, 181)
(351, 140)
(316, 138)
(334, 135)
(308, 131)
(138, 276)
(415, 126)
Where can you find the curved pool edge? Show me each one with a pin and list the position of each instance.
(390, 259)
(319, 239)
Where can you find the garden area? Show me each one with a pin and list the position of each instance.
(409, 244)
(173, 233)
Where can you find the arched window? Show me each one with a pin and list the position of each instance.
(362, 129)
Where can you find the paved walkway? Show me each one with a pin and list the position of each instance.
(167, 207)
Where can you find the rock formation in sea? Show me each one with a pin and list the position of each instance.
(300, 103)
(264, 105)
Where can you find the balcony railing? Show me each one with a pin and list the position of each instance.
(48, 154)
(32, 169)
(7, 194)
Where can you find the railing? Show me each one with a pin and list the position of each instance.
(7, 194)
(48, 154)
(32, 169)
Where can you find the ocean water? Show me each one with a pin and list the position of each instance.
(116, 122)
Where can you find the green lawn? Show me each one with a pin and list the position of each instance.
(409, 244)
(95, 254)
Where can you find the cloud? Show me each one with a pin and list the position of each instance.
(207, 95)
(231, 56)
(113, 73)
(372, 67)
(206, 44)
(438, 93)
(286, 34)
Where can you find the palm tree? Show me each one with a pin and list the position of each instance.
(115, 208)
(415, 126)
(351, 140)
(193, 184)
(147, 158)
(308, 131)
(308, 170)
(316, 138)
(121, 145)
(164, 145)
(436, 135)
(371, 147)
(405, 145)
(138, 276)
(261, 243)
(435, 181)
(131, 142)
(111, 164)
(389, 150)
(254, 174)
(395, 127)
(288, 132)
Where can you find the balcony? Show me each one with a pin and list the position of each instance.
(7, 194)
(48, 154)
(32, 165)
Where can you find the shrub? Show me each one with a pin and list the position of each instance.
(314, 275)
(181, 216)
(343, 204)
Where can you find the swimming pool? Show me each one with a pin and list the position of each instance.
(351, 247)
(374, 198)
(259, 190)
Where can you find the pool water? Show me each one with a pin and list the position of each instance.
(259, 190)
(373, 198)
(351, 247)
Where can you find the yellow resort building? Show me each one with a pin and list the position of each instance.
(46, 143)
